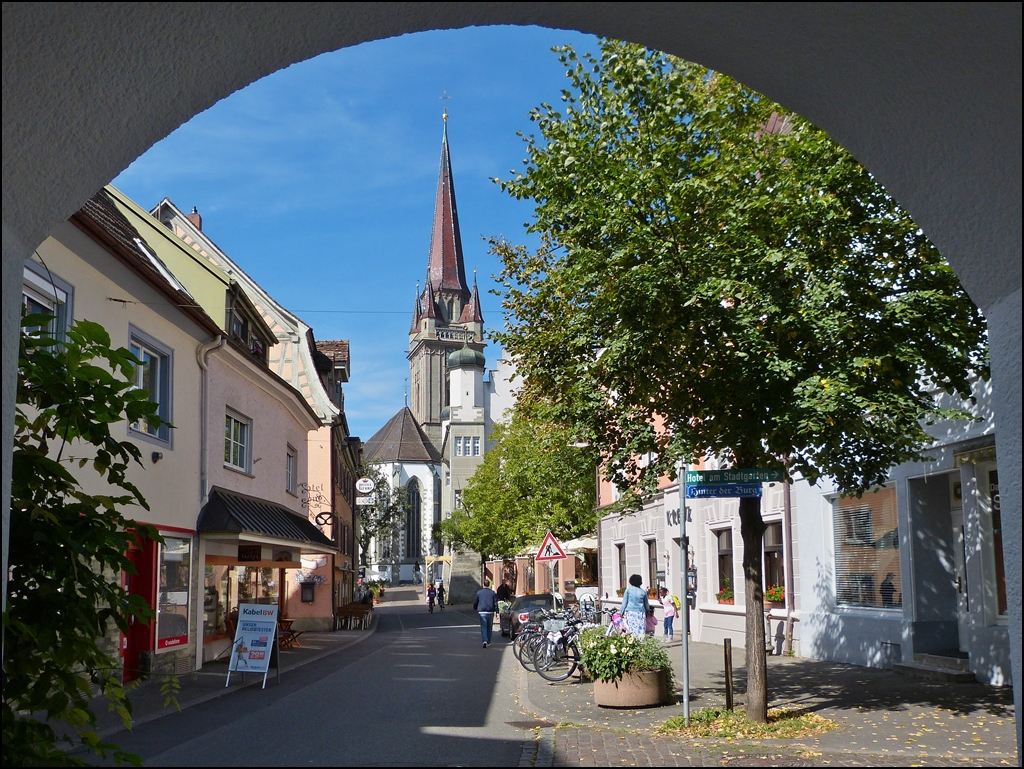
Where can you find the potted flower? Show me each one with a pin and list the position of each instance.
(628, 672)
(620, 592)
(652, 592)
(725, 595)
(775, 595)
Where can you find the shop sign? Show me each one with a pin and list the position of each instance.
(364, 485)
(249, 553)
(365, 501)
(255, 640)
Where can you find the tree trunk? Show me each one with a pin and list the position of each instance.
(752, 532)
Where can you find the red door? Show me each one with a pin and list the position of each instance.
(141, 635)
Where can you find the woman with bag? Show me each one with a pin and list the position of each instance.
(635, 606)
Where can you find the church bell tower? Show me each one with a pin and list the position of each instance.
(446, 313)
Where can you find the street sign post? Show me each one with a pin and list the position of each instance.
(550, 549)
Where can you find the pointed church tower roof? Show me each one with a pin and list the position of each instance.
(445, 269)
(471, 313)
(429, 308)
(417, 312)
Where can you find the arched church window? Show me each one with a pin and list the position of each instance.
(413, 520)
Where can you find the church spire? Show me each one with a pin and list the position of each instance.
(472, 313)
(417, 312)
(445, 268)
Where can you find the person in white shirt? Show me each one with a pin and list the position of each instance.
(669, 602)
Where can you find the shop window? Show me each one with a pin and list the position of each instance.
(237, 442)
(220, 596)
(724, 538)
(153, 376)
(774, 563)
(43, 293)
(867, 553)
(172, 598)
(622, 566)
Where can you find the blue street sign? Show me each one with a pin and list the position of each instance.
(724, 490)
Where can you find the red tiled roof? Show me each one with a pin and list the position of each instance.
(472, 313)
(335, 349)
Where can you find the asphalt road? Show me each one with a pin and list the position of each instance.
(421, 691)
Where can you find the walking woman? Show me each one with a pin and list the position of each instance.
(635, 606)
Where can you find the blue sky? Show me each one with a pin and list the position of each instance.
(319, 181)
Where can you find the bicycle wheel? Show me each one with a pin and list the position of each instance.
(520, 642)
(556, 661)
(530, 651)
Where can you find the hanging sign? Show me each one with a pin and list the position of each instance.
(366, 501)
(550, 550)
(255, 640)
(364, 485)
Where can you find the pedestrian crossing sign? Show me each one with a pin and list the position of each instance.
(550, 550)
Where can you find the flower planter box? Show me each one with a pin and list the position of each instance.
(644, 689)
(727, 601)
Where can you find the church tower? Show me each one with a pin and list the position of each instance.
(446, 314)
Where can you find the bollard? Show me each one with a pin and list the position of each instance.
(728, 674)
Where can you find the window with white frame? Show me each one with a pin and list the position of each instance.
(237, 442)
(476, 446)
(867, 550)
(291, 470)
(153, 375)
(458, 446)
(43, 293)
(723, 539)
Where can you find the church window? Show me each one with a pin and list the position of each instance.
(476, 447)
(413, 521)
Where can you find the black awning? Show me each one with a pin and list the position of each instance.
(229, 511)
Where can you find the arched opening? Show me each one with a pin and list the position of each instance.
(928, 98)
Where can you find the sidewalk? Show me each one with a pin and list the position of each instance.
(207, 684)
(884, 719)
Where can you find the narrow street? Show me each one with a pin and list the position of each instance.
(420, 690)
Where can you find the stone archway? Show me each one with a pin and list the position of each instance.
(928, 97)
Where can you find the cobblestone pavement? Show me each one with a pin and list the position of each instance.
(884, 720)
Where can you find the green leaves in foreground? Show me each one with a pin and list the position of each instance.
(716, 277)
(68, 547)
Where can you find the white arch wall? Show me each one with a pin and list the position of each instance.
(928, 97)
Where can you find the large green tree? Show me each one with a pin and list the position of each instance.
(384, 519)
(716, 265)
(537, 476)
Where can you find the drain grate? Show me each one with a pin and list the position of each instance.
(529, 724)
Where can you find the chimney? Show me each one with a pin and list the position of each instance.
(195, 218)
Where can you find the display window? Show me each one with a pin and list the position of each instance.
(173, 594)
(227, 586)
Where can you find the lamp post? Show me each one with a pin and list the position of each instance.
(684, 557)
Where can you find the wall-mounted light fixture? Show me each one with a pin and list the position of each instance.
(157, 456)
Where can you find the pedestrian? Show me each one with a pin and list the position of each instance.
(671, 610)
(485, 603)
(431, 595)
(503, 592)
(888, 590)
(651, 623)
(634, 607)
(441, 596)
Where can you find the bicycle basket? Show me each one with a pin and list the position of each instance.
(552, 625)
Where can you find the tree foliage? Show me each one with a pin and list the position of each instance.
(384, 519)
(67, 546)
(715, 264)
(534, 479)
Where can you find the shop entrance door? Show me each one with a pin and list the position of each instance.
(963, 609)
(141, 635)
